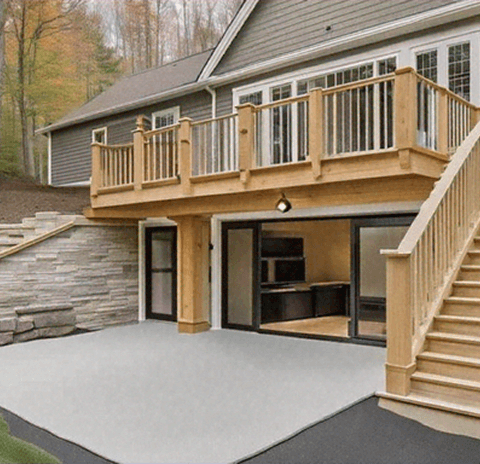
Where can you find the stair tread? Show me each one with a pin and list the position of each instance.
(444, 380)
(470, 267)
(453, 337)
(449, 358)
(473, 252)
(433, 403)
(462, 299)
(460, 319)
(467, 283)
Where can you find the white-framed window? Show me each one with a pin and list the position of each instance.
(166, 117)
(449, 63)
(459, 69)
(99, 135)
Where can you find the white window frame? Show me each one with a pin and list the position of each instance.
(442, 47)
(158, 114)
(98, 130)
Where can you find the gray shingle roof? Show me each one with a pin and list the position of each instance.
(138, 89)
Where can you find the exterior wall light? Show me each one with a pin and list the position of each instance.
(283, 205)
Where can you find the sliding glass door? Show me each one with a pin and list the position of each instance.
(240, 276)
(369, 237)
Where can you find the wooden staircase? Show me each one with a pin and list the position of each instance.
(448, 369)
(447, 373)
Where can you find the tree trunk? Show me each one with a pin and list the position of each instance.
(2, 66)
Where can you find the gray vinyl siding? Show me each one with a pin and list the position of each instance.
(71, 147)
(279, 27)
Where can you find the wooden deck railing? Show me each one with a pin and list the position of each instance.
(400, 111)
(420, 271)
(215, 145)
(161, 154)
(113, 165)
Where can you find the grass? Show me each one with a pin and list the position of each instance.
(16, 451)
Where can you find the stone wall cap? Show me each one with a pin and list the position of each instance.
(20, 310)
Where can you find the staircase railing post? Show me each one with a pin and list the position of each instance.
(138, 152)
(400, 363)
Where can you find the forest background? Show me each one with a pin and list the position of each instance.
(57, 54)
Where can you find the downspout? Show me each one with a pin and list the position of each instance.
(213, 93)
(49, 159)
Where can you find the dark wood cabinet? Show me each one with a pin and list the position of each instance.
(286, 305)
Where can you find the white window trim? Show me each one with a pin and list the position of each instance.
(158, 114)
(97, 130)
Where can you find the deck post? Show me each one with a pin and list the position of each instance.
(405, 110)
(442, 123)
(185, 140)
(138, 153)
(400, 363)
(246, 146)
(315, 130)
(193, 273)
(96, 182)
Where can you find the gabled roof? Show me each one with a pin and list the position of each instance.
(138, 90)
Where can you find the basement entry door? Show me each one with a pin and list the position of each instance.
(161, 273)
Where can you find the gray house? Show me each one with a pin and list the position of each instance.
(315, 175)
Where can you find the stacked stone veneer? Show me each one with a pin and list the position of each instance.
(89, 271)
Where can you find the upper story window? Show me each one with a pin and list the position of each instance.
(427, 64)
(99, 135)
(459, 69)
(255, 98)
(166, 117)
(449, 66)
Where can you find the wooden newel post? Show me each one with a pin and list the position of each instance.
(315, 130)
(442, 122)
(405, 108)
(185, 138)
(138, 152)
(400, 363)
(246, 139)
(96, 170)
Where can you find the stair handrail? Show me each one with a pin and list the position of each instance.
(38, 239)
(421, 270)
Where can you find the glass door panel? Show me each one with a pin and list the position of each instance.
(240, 276)
(161, 276)
(369, 272)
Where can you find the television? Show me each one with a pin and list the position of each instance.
(289, 270)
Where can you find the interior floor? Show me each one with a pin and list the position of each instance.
(335, 326)
(328, 325)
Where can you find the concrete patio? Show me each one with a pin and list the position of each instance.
(146, 394)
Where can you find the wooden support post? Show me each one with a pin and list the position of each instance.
(405, 110)
(315, 131)
(442, 122)
(246, 139)
(97, 174)
(138, 153)
(475, 116)
(193, 273)
(400, 364)
(185, 139)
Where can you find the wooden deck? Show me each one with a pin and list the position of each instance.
(382, 139)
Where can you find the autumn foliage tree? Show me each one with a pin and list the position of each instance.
(60, 53)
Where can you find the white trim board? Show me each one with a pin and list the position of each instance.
(228, 37)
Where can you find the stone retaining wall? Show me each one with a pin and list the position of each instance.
(92, 268)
